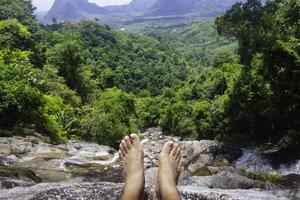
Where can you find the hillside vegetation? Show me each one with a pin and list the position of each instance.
(197, 40)
(87, 81)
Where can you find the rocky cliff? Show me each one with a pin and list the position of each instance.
(32, 169)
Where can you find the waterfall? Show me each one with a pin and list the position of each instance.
(254, 162)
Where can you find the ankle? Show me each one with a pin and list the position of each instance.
(169, 193)
(167, 179)
(137, 174)
(167, 184)
(135, 179)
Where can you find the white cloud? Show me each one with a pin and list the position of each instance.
(44, 5)
(110, 2)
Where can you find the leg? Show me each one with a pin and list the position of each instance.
(169, 170)
(132, 157)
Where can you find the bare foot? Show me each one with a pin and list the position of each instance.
(169, 170)
(132, 158)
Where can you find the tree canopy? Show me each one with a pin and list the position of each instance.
(83, 80)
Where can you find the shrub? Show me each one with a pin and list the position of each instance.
(111, 118)
(60, 119)
(19, 98)
(177, 120)
(148, 110)
(272, 177)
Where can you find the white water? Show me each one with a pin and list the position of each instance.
(252, 161)
(292, 169)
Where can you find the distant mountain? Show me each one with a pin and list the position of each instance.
(83, 9)
(205, 8)
(135, 7)
(40, 14)
(141, 6)
(172, 7)
(73, 10)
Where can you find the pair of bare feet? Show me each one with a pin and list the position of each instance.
(132, 157)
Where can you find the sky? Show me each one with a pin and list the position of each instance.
(45, 5)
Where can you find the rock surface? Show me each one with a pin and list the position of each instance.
(110, 191)
(33, 169)
(74, 161)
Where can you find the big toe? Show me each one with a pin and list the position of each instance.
(167, 148)
(135, 139)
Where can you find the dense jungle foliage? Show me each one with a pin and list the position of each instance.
(198, 40)
(82, 80)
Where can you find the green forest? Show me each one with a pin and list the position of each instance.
(235, 78)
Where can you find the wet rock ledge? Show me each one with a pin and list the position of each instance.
(33, 169)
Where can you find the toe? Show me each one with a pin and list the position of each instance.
(128, 142)
(124, 147)
(180, 165)
(178, 154)
(135, 139)
(120, 155)
(167, 148)
(174, 150)
(178, 159)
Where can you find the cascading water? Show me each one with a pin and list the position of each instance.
(290, 169)
(254, 162)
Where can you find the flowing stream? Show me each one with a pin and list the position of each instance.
(257, 163)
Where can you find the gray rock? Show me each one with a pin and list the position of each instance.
(216, 170)
(92, 171)
(74, 161)
(90, 151)
(199, 153)
(49, 170)
(198, 193)
(291, 181)
(110, 191)
(7, 183)
(80, 161)
(151, 176)
(8, 160)
(48, 151)
(18, 174)
(227, 180)
(5, 147)
(19, 146)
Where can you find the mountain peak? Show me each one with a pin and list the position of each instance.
(73, 10)
(83, 9)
